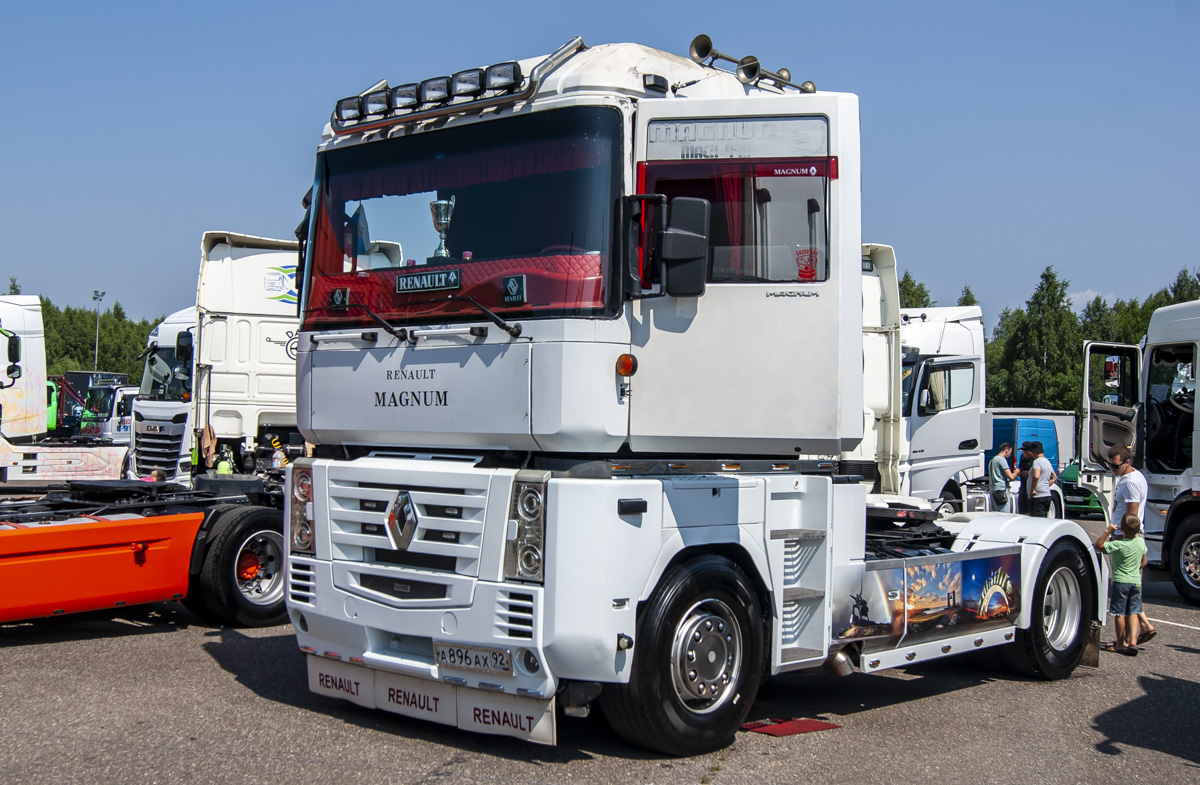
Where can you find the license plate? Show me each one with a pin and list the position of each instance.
(1077, 499)
(474, 658)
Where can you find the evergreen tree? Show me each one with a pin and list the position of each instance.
(912, 293)
(13, 286)
(968, 297)
(1042, 355)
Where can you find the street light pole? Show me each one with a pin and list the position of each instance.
(97, 295)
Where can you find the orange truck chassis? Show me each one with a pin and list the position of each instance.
(112, 544)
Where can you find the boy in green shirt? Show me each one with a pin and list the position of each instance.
(1127, 557)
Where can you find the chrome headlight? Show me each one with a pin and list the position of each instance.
(300, 525)
(524, 551)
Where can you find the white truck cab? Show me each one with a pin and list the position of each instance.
(582, 439)
(1144, 397)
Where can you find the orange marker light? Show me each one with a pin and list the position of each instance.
(626, 365)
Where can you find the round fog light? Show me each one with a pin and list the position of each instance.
(302, 535)
(530, 662)
(529, 503)
(531, 560)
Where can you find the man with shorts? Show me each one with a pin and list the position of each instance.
(1129, 497)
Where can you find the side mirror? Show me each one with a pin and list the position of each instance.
(181, 373)
(14, 349)
(183, 347)
(13, 371)
(923, 401)
(683, 247)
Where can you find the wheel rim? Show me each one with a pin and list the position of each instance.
(1189, 560)
(1062, 609)
(706, 656)
(258, 568)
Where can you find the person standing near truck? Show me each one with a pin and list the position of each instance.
(1129, 498)
(1041, 477)
(1023, 467)
(1000, 473)
(1127, 556)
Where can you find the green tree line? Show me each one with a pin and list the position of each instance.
(71, 338)
(1035, 355)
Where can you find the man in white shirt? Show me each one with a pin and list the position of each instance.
(1130, 497)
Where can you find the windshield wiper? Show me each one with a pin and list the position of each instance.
(512, 329)
(400, 335)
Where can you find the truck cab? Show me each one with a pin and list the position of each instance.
(1144, 397)
(583, 344)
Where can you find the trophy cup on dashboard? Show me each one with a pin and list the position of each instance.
(442, 209)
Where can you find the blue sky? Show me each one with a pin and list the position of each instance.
(997, 137)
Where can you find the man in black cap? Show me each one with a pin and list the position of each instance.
(1041, 476)
(1025, 464)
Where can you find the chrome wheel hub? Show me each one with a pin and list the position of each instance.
(258, 568)
(706, 656)
(1062, 609)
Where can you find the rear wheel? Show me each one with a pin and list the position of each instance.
(242, 581)
(697, 664)
(1064, 600)
(1185, 559)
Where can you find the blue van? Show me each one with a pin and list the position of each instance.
(1016, 430)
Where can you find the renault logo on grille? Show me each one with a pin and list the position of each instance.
(401, 520)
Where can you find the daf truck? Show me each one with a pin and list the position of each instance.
(220, 377)
(581, 444)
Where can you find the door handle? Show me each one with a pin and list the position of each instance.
(969, 444)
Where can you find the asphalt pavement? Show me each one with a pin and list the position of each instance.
(152, 694)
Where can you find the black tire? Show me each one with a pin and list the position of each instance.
(1056, 508)
(1063, 606)
(1185, 559)
(249, 594)
(705, 609)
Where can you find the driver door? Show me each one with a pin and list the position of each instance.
(1111, 402)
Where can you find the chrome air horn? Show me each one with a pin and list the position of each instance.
(749, 69)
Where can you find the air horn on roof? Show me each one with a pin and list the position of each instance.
(749, 70)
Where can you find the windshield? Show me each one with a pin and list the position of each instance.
(158, 378)
(100, 401)
(514, 213)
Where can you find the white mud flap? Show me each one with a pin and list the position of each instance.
(474, 710)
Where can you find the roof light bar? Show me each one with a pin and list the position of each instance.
(377, 108)
(467, 82)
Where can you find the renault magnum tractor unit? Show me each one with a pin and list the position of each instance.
(582, 340)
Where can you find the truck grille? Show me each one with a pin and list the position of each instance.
(449, 533)
(157, 451)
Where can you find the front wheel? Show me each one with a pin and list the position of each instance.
(1064, 601)
(697, 664)
(1185, 559)
(242, 581)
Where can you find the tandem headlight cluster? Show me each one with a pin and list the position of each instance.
(300, 523)
(470, 84)
(525, 549)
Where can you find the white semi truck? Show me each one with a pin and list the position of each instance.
(584, 445)
(1144, 397)
(26, 457)
(222, 375)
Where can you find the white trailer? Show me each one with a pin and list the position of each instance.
(1144, 397)
(227, 366)
(585, 444)
(25, 456)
